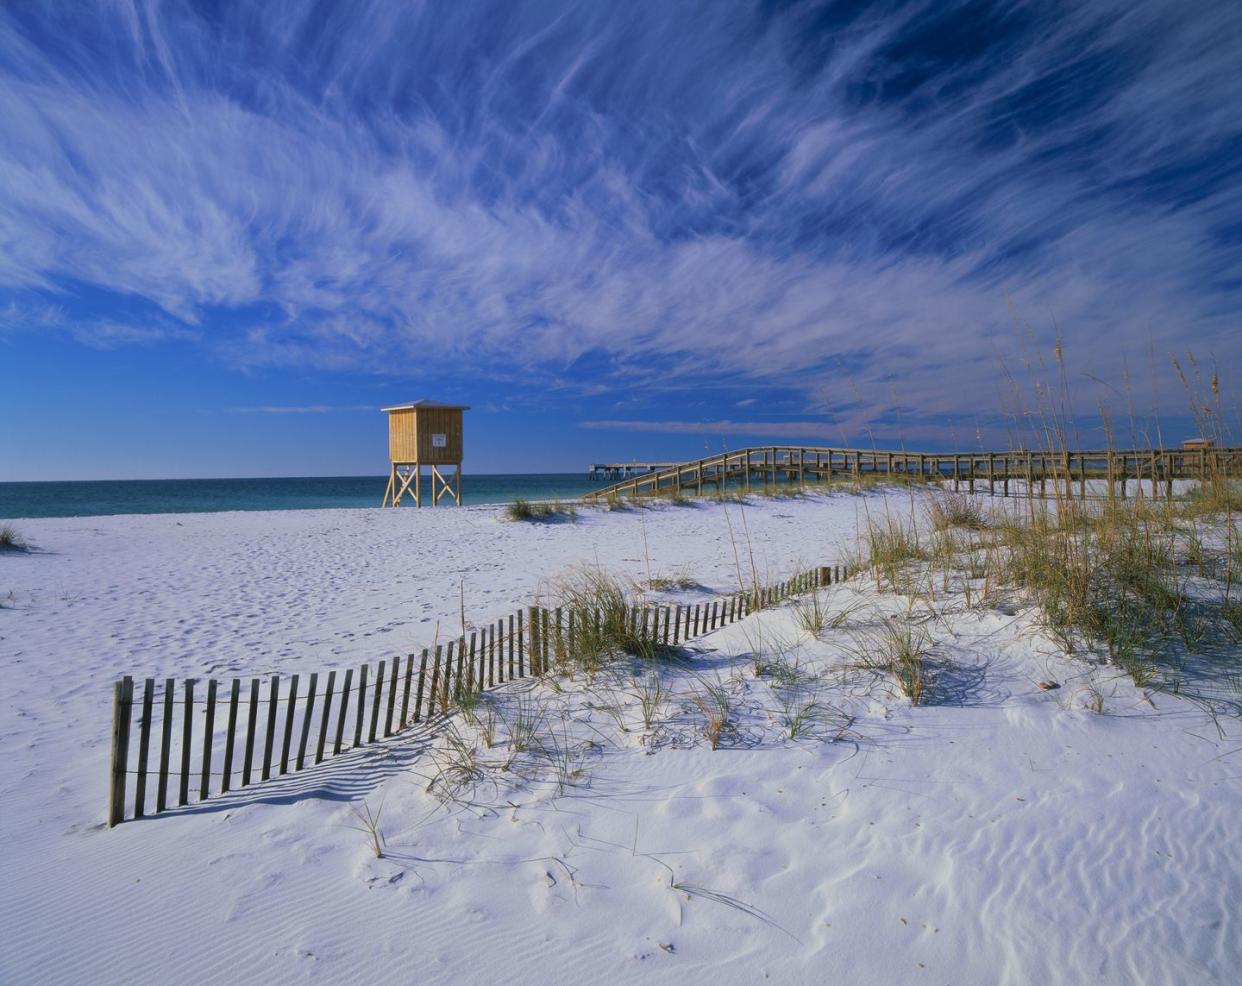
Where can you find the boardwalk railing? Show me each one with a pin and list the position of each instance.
(194, 744)
(1031, 473)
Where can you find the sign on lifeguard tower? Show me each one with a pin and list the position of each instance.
(424, 433)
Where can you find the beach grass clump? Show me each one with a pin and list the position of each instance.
(712, 700)
(891, 547)
(652, 696)
(811, 613)
(600, 624)
(956, 510)
(1212, 496)
(677, 580)
(1105, 576)
(526, 510)
(898, 648)
(11, 539)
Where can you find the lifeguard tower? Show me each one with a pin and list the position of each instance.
(424, 433)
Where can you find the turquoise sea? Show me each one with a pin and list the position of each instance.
(93, 498)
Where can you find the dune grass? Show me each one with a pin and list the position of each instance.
(525, 510)
(11, 539)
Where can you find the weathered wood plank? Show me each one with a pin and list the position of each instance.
(306, 720)
(325, 715)
(122, 712)
(226, 774)
(144, 741)
(209, 728)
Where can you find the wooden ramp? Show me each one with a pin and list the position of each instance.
(1021, 472)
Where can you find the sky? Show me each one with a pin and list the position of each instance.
(231, 232)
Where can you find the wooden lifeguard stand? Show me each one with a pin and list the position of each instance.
(424, 433)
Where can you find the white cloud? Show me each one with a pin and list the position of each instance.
(581, 189)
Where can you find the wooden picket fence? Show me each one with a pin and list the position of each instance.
(208, 746)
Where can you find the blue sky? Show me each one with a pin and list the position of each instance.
(230, 232)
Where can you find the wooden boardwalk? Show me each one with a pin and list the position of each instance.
(1021, 472)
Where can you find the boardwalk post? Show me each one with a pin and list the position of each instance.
(122, 706)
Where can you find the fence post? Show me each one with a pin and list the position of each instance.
(122, 707)
(187, 730)
(209, 726)
(144, 740)
(325, 715)
(418, 696)
(532, 621)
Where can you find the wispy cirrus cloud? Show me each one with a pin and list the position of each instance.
(280, 409)
(822, 196)
(723, 427)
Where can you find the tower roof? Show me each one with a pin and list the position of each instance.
(426, 404)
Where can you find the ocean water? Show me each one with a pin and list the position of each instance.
(94, 498)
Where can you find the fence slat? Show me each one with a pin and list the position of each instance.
(209, 728)
(187, 731)
(491, 657)
(166, 725)
(122, 705)
(405, 692)
(418, 698)
(306, 720)
(521, 649)
(343, 714)
(558, 639)
(269, 728)
(446, 686)
(253, 725)
(458, 684)
(144, 740)
(291, 708)
(324, 716)
(392, 697)
(226, 778)
(435, 682)
(362, 705)
(375, 703)
(513, 640)
(677, 626)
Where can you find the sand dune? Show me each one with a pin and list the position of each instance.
(1001, 834)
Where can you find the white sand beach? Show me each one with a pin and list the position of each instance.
(999, 833)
